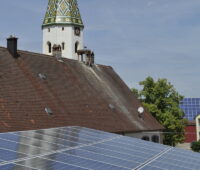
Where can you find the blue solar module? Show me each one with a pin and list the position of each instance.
(191, 107)
(14, 167)
(74, 148)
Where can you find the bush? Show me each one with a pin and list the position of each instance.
(195, 146)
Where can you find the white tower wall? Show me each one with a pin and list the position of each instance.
(56, 36)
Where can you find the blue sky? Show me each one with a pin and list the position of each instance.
(138, 38)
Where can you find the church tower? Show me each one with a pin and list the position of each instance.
(63, 29)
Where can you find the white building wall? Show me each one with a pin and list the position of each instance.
(57, 36)
(198, 127)
(150, 134)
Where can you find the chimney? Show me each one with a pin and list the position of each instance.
(57, 52)
(12, 46)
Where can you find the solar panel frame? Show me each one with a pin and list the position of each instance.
(42, 163)
(100, 151)
(191, 107)
(15, 167)
(152, 168)
(85, 162)
(116, 154)
(103, 158)
(167, 166)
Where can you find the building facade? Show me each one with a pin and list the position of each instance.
(40, 91)
(197, 120)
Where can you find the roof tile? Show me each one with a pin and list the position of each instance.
(77, 94)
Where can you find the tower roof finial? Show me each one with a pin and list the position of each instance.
(63, 12)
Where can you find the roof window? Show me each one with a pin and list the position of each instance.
(42, 76)
(48, 111)
(111, 106)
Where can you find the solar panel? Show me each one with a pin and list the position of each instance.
(191, 107)
(77, 148)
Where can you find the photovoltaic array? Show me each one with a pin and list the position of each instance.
(75, 148)
(191, 107)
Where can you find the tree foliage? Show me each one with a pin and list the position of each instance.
(195, 146)
(162, 101)
(135, 92)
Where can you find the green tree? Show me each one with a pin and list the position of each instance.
(162, 101)
(135, 92)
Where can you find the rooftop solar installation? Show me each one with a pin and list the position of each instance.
(191, 107)
(75, 148)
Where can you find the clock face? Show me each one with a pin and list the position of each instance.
(77, 31)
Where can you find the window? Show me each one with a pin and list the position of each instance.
(42, 76)
(146, 138)
(155, 138)
(48, 111)
(63, 46)
(76, 47)
(49, 29)
(49, 47)
(63, 28)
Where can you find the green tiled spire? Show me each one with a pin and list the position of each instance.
(63, 12)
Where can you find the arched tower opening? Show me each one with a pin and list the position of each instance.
(49, 47)
(63, 46)
(76, 47)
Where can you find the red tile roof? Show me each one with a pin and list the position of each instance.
(93, 97)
